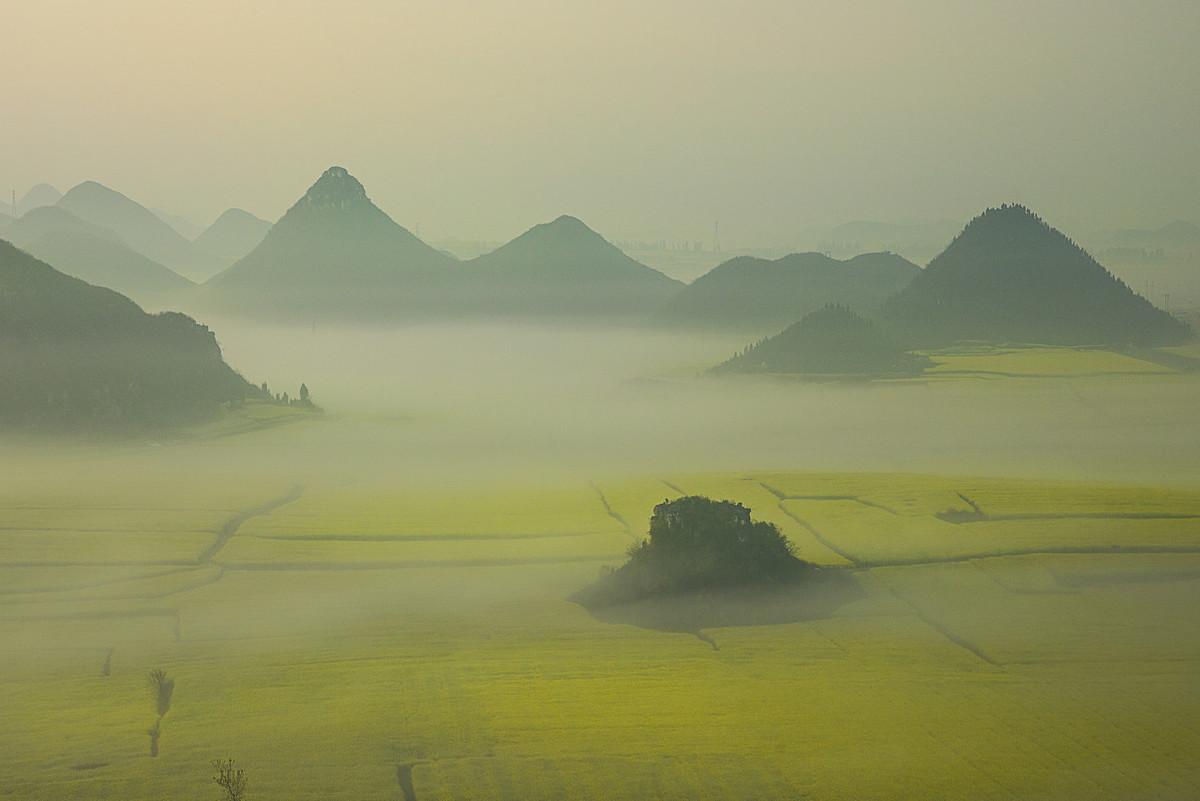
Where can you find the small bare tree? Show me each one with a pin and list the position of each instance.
(230, 778)
(162, 687)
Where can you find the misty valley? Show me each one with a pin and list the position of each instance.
(313, 509)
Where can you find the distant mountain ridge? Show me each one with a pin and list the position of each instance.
(564, 267)
(232, 235)
(916, 241)
(79, 356)
(764, 295)
(336, 253)
(1010, 277)
(37, 197)
(182, 225)
(140, 228)
(91, 253)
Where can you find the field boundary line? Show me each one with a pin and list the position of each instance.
(92, 585)
(1024, 516)
(146, 531)
(783, 496)
(1049, 551)
(119, 563)
(809, 527)
(424, 537)
(609, 509)
(232, 525)
(941, 629)
(410, 564)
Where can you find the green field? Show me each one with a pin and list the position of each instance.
(337, 635)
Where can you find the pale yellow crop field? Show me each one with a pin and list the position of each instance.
(335, 635)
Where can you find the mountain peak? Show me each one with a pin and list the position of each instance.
(90, 188)
(1009, 225)
(336, 188)
(567, 221)
(327, 249)
(236, 215)
(1011, 277)
(1010, 210)
(1008, 214)
(565, 229)
(232, 235)
(37, 197)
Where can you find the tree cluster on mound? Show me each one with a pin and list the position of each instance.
(1010, 277)
(75, 355)
(831, 340)
(697, 543)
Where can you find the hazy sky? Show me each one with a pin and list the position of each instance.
(649, 118)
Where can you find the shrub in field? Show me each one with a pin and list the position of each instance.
(230, 778)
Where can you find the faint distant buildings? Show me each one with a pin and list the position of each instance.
(685, 245)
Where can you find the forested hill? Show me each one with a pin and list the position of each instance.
(79, 356)
(1010, 277)
(831, 340)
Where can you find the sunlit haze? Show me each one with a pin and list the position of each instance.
(648, 120)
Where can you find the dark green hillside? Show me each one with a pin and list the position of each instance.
(564, 267)
(84, 357)
(764, 295)
(831, 340)
(1010, 277)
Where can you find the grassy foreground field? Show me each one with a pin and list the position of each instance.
(385, 640)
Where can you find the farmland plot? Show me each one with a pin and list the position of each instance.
(341, 640)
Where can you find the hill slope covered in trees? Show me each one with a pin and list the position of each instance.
(831, 340)
(1010, 277)
(79, 356)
